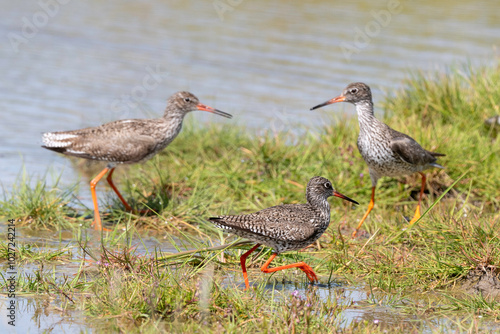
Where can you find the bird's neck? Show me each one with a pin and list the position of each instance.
(366, 116)
(172, 111)
(169, 126)
(174, 118)
(319, 203)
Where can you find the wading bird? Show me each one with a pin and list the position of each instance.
(387, 152)
(125, 141)
(285, 227)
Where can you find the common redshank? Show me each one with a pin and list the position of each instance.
(285, 227)
(125, 141)
(387, 152)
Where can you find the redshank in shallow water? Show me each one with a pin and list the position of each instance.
(285, 227)
(387, 152)
(125, 141)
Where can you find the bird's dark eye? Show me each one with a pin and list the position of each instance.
(187, 99)
(328, 185)
(353, 90)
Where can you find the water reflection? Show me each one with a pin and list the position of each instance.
(359, 304)
(40, 315)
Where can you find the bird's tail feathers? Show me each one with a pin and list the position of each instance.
(57, 139)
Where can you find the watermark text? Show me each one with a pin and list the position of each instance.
(11, 272)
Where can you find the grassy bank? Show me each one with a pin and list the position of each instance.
(445, 266)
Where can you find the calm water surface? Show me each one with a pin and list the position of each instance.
(265, 62)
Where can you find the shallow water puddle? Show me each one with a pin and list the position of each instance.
(58, 255)
(362, 306)
(37, 314)
(357, 304)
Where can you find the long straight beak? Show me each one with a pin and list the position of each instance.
(337, 194)
(335, 100)
(213, 110)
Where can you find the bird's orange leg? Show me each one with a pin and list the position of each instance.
(243, 260)
(110, 181)
(417, 211)
(301, 265)
(97, 218)
(370, 207)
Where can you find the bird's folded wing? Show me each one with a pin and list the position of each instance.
(131, 148)
(268, 226)
(113, 147)
(410, 151)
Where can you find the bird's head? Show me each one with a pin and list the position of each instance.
(185, 102)
(354, 93)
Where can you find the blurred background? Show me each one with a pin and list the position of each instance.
(68, 64)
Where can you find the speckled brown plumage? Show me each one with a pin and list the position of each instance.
(130, 140)
(125, 141)
(285, 227)
(386, 151)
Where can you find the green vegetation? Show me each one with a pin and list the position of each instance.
(38, 206)
(440, 275)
